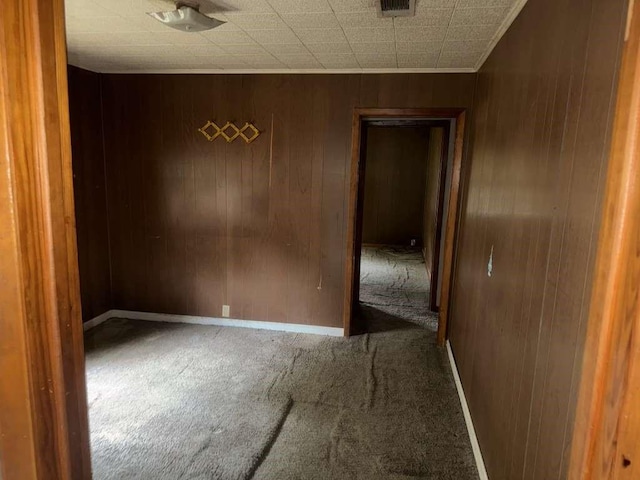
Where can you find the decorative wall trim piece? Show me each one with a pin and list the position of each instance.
(234, 133)
(475, 446)
(220, 322)
(504, 26)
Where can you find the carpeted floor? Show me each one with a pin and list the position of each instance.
(175, 401)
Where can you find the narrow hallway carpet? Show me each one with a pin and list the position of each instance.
(176, 401)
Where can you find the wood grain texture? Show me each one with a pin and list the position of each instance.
(89, 186)
(395, 185)
(607, 434)
(540, 137)
(433, 206)
(262, 227)
(43, 418)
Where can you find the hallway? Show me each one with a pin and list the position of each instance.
(394, 282)
(189, 401)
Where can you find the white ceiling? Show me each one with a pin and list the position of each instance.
(287, 36)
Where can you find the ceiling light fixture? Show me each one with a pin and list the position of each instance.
(186, 19)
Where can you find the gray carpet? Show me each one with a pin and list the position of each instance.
(174, 401)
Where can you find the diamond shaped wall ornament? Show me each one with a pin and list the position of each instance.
(229, 131)
(249, 126)
(223, 132)
(215, 131)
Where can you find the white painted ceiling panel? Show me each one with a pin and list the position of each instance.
(287, 35)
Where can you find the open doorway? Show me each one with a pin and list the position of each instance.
(404, 195)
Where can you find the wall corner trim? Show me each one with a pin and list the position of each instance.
(477, 454)
(220, 322)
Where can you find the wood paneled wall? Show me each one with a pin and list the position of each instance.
(196, 225)
(85, 110)
(394, 191)
(432, 196)
(541, 130)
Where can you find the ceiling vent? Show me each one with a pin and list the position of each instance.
(186, 19)
(396, 8)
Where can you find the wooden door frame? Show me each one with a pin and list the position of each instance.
(43, 417)
(606, 436)
(442, 187)
(355, 186)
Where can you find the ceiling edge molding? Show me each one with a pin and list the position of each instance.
(282, 71)
(504, 26)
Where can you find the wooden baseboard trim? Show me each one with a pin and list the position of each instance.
(482, 472)
(220, 322)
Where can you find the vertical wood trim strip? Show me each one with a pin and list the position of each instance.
(607, 429)
(43, 418)
(452, 220)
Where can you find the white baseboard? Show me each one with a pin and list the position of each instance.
(482, 471)
(95, 321)
(221, 322)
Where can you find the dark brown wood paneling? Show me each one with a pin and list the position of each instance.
(261, 227)
(540, 131)
(89, 185)
(394, 191)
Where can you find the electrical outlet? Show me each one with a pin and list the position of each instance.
(413, 242)
(225, 310)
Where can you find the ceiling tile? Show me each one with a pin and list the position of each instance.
(310, 20)
(418, 47)
(377, 61)
(353, 5)
(427, 17)
(299, 61)
(471, 32)
(369, 19)
(262, 61)
(268, 37)
(86, 8)
(286, 49)
(374, 47)
(424, 4)
(338, 60)
(300, 6)
(414, 34)
(464, 46)
(245, 49)
(321, 35)
(228, 37)
(478, 16)
(101, 25)
(202, 50)
(369, 34)
(459, 59)
(329, 47)
(257, 21)
(126, 8)
(182, 38)
(417, 60)
(301, 33)
(484, 3)
(253, 6)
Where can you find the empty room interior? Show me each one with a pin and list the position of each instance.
(328, 239)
